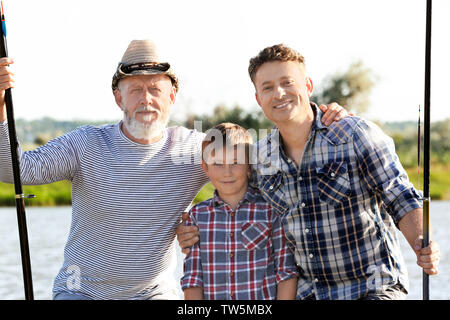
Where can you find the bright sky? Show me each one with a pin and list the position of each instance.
(66, 51)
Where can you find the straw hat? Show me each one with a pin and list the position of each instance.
(141, 57)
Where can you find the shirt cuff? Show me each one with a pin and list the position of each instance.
(287, 274)
(191, 282)
(405, 202)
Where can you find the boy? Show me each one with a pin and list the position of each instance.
(242, 252)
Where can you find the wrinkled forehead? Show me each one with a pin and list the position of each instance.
(148, 79)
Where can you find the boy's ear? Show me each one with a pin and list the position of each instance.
(205, 167)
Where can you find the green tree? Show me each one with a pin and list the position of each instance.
(406, 142)
(41, 139)
(221, 113)
(350, 89)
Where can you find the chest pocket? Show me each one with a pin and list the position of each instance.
(272, 191)
(254, 235)
(333, 183)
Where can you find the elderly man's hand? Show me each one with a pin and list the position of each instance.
(187, 236)
(428, 257)
(6, 82)
(333, 112)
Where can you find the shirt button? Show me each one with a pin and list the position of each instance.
(231, 273)
(231, 234)
(303, 205)
(231, 294)
(316, 280)
(332, 174)
(271, 188)
(306, 230)
(231, 255)
(300, 178)
(311, 255)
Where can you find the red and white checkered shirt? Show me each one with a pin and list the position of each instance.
(242, 254)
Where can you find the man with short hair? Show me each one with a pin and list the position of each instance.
(128, 185)
(340, 190)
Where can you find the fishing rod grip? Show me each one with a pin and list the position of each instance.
(425, 243)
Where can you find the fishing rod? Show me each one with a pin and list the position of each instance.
(20, 197)
(426, 149)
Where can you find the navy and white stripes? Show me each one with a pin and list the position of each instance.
(126, 201)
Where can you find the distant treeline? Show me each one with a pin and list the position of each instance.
(37, 132)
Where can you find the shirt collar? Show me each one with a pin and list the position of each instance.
(318, 114)
(250, 196)
(270, 150)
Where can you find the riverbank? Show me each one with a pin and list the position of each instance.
(54, 194)
(59, 193)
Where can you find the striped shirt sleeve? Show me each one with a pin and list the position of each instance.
(55, 161)
(382, 171)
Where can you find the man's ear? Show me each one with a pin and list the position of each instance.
(173, 95)
(309, 86)
(257, 99)
(118, 98)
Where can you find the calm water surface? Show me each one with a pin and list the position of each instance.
(48, 229)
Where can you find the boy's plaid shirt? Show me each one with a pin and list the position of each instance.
(339, 208)
(242, 254)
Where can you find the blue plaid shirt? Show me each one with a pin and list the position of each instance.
(340, 207)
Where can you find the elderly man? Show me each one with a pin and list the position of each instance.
(127, 190)
(340, 190)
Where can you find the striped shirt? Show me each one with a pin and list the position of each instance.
(242, 254)
(127, 199)
(340, 207)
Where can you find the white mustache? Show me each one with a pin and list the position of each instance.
(146, 109)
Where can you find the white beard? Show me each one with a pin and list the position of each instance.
(146, 131)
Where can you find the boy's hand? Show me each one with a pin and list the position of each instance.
(428, 257)
(187, 236)
(333, 112)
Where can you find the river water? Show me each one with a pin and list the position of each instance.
(48, 229)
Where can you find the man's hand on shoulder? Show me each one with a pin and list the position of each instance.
(333, 112)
